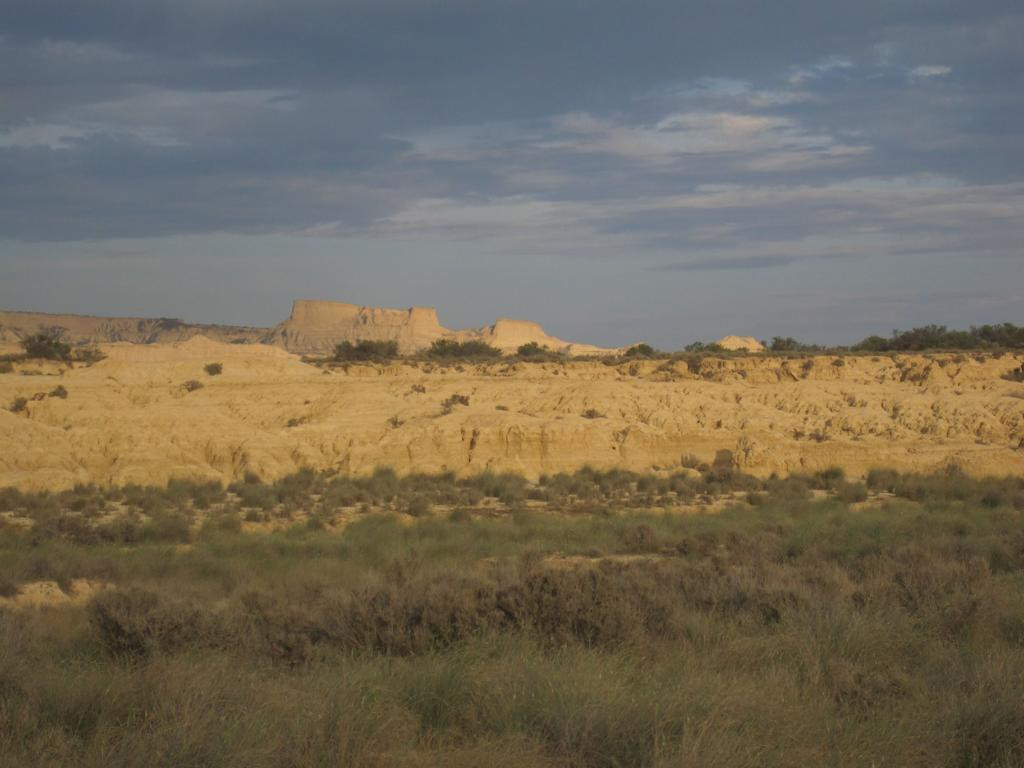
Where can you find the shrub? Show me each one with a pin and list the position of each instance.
(1005, 335)
(690, 461)
(851, 493)
(829, 479)
(18, 405)
(226, 522)
(456, 399)
(418, 506)
(789, 344)
(592, 413)
(59, 391)
(133, 623)
(641, 350)
(173, 527)
(47, 344)
(506, 487)
(365, 350)
(447, 348)
(255, 495)
(700, 347)
(192, 385)
(213, 369)
(532, 349)
(6, 366)
(88, 355)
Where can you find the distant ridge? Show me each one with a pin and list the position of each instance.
(313, 327)
(90, 329)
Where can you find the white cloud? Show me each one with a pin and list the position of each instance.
(819, 69)
(930, 70)
(770, 142)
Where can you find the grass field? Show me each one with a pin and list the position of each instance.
(708, 619)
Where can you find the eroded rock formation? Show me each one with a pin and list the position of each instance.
(130, 419)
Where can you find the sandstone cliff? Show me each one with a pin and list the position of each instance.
(129, 419)
(316, 327)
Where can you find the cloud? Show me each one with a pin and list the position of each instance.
(930, 70)
(717, 265)
(660, 136)
(822, 68)
(49, 135)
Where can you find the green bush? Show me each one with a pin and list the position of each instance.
(531, 349)
(18, 405)
(169, 527)
(699, 347)
(47, 344)
(506, 487)
(1005, 335)
(213, 369)
(641, 350)
(192, 385)
(365, 350)
(534, 352)
(789, 344)
(448, 349)
(255, 495)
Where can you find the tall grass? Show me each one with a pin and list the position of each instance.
(780, 631)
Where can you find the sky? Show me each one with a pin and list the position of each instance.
(657, 170)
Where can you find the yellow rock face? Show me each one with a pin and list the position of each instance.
(129, 418)
(738, 343)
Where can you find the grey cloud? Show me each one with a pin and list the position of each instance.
(703, 265)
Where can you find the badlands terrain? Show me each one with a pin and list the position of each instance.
(133, 417)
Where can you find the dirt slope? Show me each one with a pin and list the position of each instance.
(128, 418)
